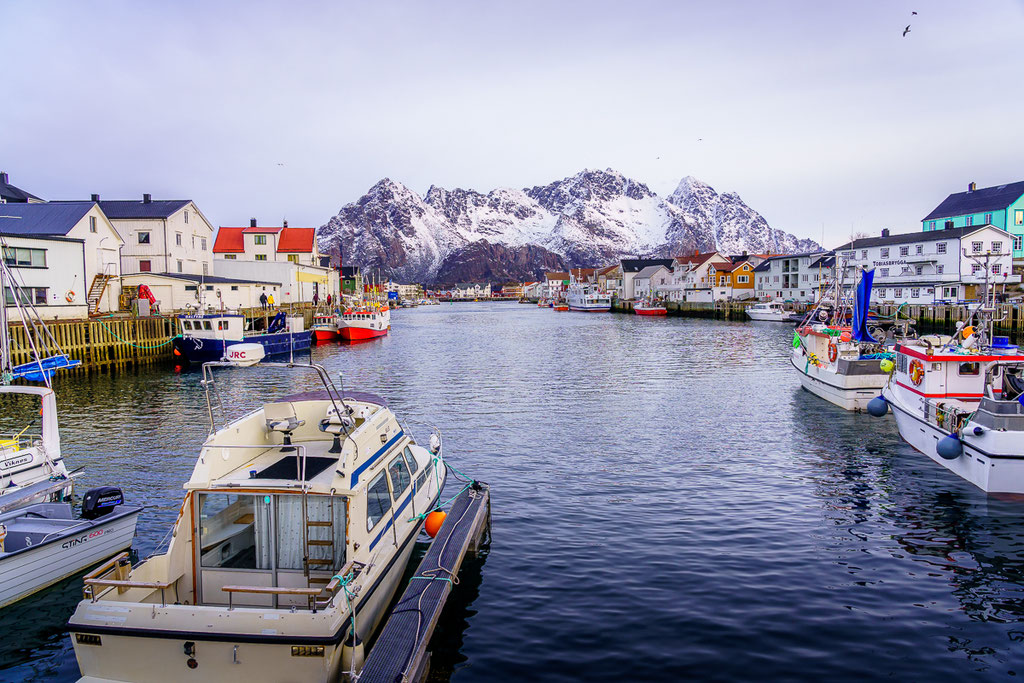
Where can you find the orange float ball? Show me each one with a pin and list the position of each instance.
(845, 336)
(434, 521)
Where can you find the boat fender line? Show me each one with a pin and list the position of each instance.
(833, 352)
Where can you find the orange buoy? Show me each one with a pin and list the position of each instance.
(845, 337)
(434, 521)
(968, 331)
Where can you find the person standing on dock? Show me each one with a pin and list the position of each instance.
(270, 300)
(316, 299)
(263, 300)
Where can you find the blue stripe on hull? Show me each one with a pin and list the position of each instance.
(202, 350)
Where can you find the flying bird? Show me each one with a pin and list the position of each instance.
(906, 31)
(280, 164)
(914, 14)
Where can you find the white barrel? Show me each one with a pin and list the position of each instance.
(245, 354)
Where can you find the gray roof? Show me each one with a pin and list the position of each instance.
(649, 271)
(206, 279)
(44, 218)
(978, 201)
(638, 264)
(136, 208)
(911, 237)
(763, 266)
(10, 193)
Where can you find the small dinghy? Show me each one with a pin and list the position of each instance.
(42, 543)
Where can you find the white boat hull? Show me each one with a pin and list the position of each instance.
(768, 316)
(849, 392)
(24, 573)
(991, 462)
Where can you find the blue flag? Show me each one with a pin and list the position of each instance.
(860, 307)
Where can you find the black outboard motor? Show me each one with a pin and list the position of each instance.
(101, 501)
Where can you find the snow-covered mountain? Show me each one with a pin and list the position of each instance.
(588, 219)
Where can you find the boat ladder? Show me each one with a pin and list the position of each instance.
(318, 537)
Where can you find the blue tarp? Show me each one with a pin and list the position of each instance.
(42, 370)
(860, 307)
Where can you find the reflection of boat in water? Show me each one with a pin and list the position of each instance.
(204, 337)
(297, 525)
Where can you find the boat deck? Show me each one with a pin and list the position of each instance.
(400, 653)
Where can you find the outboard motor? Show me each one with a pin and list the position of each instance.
(101, 501)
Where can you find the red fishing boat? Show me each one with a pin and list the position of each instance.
(649, 307)
(364, 321)
(325, 327)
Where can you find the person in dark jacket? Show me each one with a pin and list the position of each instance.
(263, 299)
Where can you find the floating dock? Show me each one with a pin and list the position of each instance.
(400, 654)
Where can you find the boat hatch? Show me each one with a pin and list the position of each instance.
(290, 467)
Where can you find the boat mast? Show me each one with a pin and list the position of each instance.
(6, 368)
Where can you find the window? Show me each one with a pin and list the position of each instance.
(997, 247)
(918, 248)
(202, 243)
(234, 288)
(294, 258)
(932, 224)
(744, 279)
(970, 368)
(976, 247)
(412, 461)
(1017, 242)
(192, 288)
(969, 220)
(229, 257)
(949, 293)
(378, 501)
(145, 266)
(885, 252)
(904, 251)
(179, 265)
(143, 238)
(940, 248)
(177, 238)
(234, 530)
(997, 269)
(186, 216)
(776, 278)
(1018, 217)
(186, 324)
(25, 258)
(939, 268)
(806, 277)
(400, 477)
(193, 241)
(881, 293)
(222, 325)
(949, 224)
(207, 325)
(988, 219)
(975, 268)
(206, 268)
(863, 253)
(915, 292)
(259, 239)
(919, 270)
(26, 295)
(905, 271)
(209, 288)
(261, 257)
(885, 272)
(92, 223)
(898, 292)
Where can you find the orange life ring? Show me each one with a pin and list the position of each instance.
(69, 296)
(833, 353)
(916, 372)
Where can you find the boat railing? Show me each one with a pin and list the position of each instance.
(284, 447)
(329, 591)
(118, 567)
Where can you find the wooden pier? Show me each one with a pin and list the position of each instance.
(400, 653)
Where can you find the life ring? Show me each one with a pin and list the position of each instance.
(916, 372)
(69, 296)
(833, 353)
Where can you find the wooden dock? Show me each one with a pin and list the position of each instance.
(400, 653)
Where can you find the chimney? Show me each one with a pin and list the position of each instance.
(252, 222)
(147, 199)
(3, 177)
(971, 187)
(95, 197)
(286, 224)
(885, 232)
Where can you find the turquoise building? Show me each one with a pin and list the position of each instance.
(1001, 206)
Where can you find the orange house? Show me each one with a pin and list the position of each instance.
(732, 280)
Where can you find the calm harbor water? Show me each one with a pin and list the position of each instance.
(667, 503)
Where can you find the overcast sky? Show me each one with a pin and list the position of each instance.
(819, 114)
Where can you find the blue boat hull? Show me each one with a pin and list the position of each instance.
(202, 350)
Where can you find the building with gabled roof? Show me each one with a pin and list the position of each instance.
(1001, 206)
(14, 195)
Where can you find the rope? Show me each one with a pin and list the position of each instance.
(125, 341)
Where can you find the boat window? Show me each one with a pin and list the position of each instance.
(186, 325)
(970, 368)
(412, 460)
(207, 325)
(378, 501)
(222, 324)
(400, 476)
(327, 535)
(234, 531)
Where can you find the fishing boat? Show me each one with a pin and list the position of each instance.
(649, 306)
(842, 364)
(364, 320)
(207, 336)
(774, 311)
(325, 326)
(960, 400)
(560, 305)
(296, 528)
(588, 297)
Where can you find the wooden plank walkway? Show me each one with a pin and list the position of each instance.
(400, 653)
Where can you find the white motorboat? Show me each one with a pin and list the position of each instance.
(774, 311)
(42, 543)
(588, 297)
(296, 528)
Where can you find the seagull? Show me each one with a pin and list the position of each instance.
(906, 31)
(280, 164)
(700, 139)
(914, 14)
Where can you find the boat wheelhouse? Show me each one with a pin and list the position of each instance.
(297, 524)
(205, 337)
